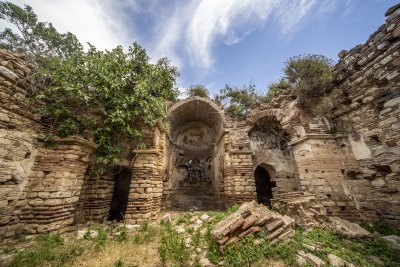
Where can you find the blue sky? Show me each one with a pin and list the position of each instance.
(218, 42)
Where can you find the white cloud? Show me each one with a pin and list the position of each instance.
(212, 20)
(291, 13)
(198, 25)
(97, 22)
(184, 31)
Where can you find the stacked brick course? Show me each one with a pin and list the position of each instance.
(54, 186)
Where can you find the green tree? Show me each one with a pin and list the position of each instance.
(104, 94)
(239, 100)
(197, 90)
(277, 87)
(310, 76)
(39, 41)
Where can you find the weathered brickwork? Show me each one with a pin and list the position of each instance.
(368, 105)
(144, 202)
(39, 186)
(51, 195)
(95, 198)
(321, 170)
(18, 139)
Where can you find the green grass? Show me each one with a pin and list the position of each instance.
(53, 250)
(172, 248)
(49, 249)
(381, 227)
(146, 234)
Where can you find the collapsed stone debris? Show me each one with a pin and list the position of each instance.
(303, 207)
(251, 218)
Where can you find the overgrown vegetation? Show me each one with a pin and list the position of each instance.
(256, 249)
(170, 247)
(49, 249)
(197, 90)
(106, 95)
(276, 88)
(239, 100)
(309, 77)
(381, 227)
(37, 40)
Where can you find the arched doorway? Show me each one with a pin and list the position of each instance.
(264, 186)
(120, 194)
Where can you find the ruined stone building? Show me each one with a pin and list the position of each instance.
(207, 159)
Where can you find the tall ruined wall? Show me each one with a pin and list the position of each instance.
(367, 102)
(39, 185)
(18, 139)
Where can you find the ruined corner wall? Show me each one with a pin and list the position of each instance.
(367, 104)
(38, 185)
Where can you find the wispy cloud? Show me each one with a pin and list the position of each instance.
(191, 32)
(187, 32)
(98, 22)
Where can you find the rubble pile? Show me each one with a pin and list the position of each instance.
(251, 218)
(303, 207)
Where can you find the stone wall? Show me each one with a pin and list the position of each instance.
(18, 139)
(52, 191)
(368, 106)
(39, 185)
(96, 196)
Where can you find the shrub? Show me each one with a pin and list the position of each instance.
(198, 90)
(310, 76)
(238, 100)
(105, 95)
(275, 88)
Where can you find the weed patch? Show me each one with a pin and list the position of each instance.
(49, 249)
(172, 249)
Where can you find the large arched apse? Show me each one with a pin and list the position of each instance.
(193, 180)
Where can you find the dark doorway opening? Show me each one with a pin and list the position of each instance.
(264, 186)
(120, 196)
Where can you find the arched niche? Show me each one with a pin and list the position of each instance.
(194, 130)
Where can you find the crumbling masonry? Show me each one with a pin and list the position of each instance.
(206, 159)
